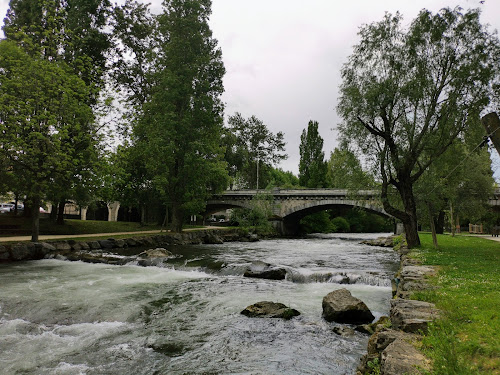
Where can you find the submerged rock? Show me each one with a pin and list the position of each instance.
(341, 307)
(343, 331)
(263, 270)
(266, 309)
(159, 252)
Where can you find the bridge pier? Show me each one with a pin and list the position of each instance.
(285, 227)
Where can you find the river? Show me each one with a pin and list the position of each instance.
(61, 317)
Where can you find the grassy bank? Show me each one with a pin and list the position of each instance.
(467, 340)
(23, 226)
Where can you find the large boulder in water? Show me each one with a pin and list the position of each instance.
(266, 309)
(263, 270)
(341, 307)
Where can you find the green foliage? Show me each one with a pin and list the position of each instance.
(258, 216)
(465, 340)
(317, 223)
(459, 183)
(181, 125)
(312, 166)
(341, 224)
(408, 94)
(47, 127)
(251, 148)
(344, 171)
(282, 179)
(374, 367)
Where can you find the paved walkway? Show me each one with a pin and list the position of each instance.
(69, 236)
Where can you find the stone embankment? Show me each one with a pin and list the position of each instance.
(392, 347)
(71, 248)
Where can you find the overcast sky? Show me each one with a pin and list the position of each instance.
(283, 57)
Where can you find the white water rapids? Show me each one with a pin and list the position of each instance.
(61, 317)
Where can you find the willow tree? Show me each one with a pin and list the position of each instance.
(408, 93)
(181, 127)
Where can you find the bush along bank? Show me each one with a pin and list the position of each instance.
(74, 249)
(393, 346)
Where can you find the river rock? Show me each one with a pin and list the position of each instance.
(263, 270)
(268, 309)
(4, 253)
(372, 327)
(21, 251)
(413, 278)
(106, 244)
(343, 331)
(44, 248)
(159, 252)
(401, 357)
(61, 245)
(94, 245)
(412, 316)
(341, 307)
(380, 241)
(213, 239)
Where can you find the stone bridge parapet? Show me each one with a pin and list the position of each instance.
(290, 205)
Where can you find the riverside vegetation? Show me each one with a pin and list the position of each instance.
(465, 340)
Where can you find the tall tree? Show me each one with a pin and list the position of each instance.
(253, 148)
(457, 184)
(408, 94)
(180, 130)
(312, 165)
(45, 122)
(344, 171)
(74, 31)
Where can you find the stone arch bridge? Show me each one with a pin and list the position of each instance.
(290, 205)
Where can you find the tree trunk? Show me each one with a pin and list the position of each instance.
(177, 217)
(60, 212)
(452, 221)
(143, 214)
(433, 227)
(165, 219)
(409, 220)
(35, 219)
(53, 213)
(439, 222)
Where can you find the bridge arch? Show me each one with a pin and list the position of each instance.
(292, 216)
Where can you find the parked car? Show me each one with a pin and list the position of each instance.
(5, 207)
(20, 207)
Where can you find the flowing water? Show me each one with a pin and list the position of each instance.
(183, 316)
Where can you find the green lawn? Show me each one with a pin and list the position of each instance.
(467, 339)
(74, 226)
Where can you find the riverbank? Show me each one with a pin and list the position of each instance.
(13, 250)
(467, 289)
(445, 313)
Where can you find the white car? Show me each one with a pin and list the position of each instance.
(6, 207)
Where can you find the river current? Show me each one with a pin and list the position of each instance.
(183, 316)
